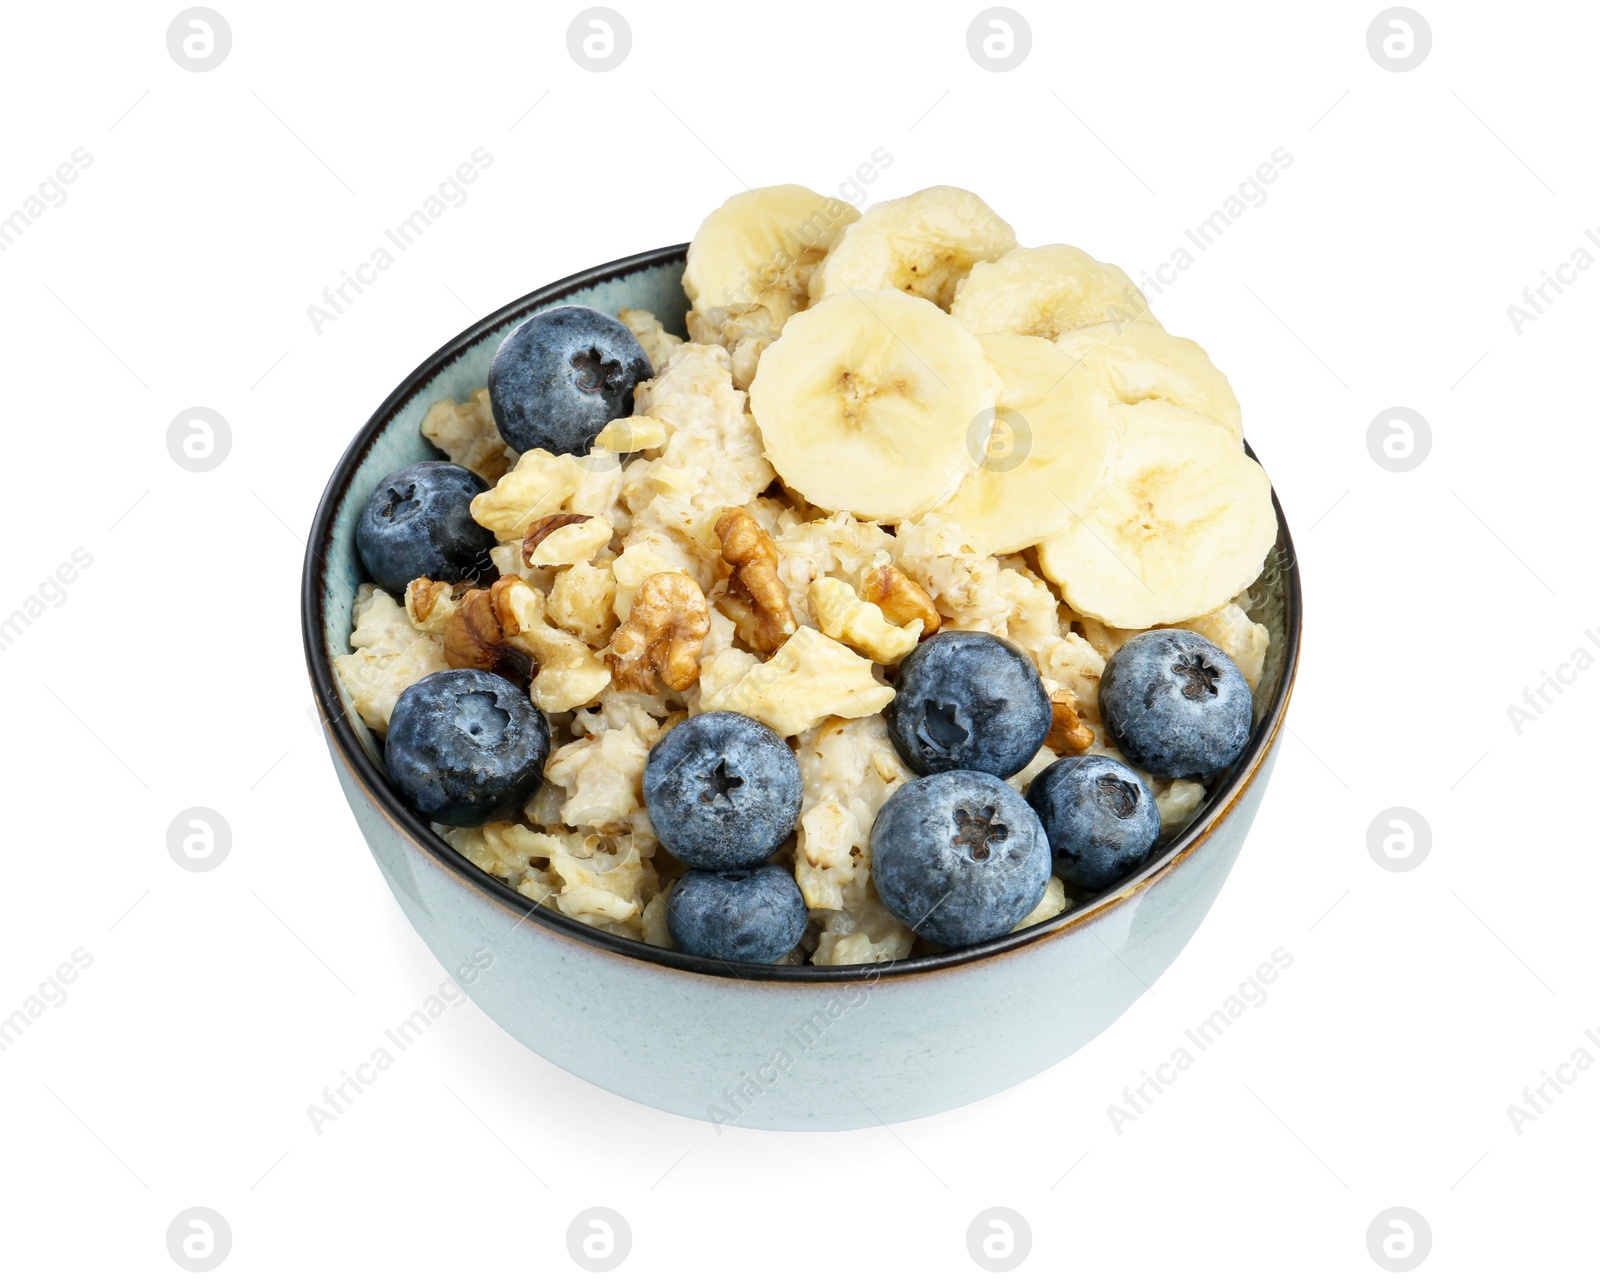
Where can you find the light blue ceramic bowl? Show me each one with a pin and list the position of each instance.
(765, 1046)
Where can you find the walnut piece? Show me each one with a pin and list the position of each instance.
(663, 635)
(809, 679)
(430, 605)
(844, 616)
(900, 598)
(503, 629)
(650, 550)
(559, 540)
(569, 676)
(543, 483)
(1068, 735)
(478, 634)
(753, 555)
(541, 529)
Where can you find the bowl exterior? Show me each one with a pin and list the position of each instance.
(771, 1055)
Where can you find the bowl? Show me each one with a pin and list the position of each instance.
(762, 1046)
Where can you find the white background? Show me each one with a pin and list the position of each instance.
(217, 1006)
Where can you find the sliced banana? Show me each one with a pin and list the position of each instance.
(1136, 362)
(1046, 292)
(923, 244)
(760, 248)
(1050, 453)
(866, 402)
(1182, 529)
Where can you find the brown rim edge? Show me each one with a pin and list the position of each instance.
(372, 781)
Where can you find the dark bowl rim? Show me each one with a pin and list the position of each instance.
(372, 779)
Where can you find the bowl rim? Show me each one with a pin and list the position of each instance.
(373, 781)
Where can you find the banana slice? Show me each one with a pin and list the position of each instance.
(1182, 529)
(1046, 292)
(760, 248)
(1136, 362)
(923, 244)
(1050, 455)
(866, 402)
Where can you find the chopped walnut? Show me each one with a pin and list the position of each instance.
(430, 605)
(749, 549)
(569, 675)
(543, 483)
(900, 598)
(503, 629)
(648, 551)
(1068, 735)
(479, 631)
(541, 529)
(663, 634)
(844, 616)
(809, 679)
(564, 539)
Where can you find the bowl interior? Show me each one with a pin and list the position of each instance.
(392, 439)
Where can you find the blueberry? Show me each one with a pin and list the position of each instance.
(722, 791)
(1175, 704)
(959, 857)
(465, 747)
(418, 524)
(756, 915)
(561, 376)
(1100, 818)
(968, 700)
